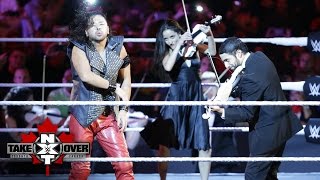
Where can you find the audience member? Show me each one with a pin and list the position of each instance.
(8, 5)
(62, 94)
(56, 62)
(14, 60)
(302, 112)
(15, 116)
(21, 75)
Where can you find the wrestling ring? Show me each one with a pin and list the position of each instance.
(287, 159)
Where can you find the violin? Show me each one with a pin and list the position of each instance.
(224, 91)
(198, 37)
(53, 114)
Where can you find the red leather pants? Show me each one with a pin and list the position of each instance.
(106, 132)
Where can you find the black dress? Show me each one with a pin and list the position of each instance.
(181, 127)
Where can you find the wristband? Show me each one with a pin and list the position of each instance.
(112, 88)
(124, 108)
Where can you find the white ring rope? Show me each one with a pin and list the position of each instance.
(61, 40)
(295, 86)
(133, 129)
(133, 85)
(163, 103)
(181, 159)
(24, 130)
(184, 159)
(219, 129)
(284, 41)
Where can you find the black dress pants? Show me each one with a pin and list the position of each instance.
(266, 170)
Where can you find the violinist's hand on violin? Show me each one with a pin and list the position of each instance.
(216, 109)
(187, 36)
(222, 95)
(205, 29)
(225, 90)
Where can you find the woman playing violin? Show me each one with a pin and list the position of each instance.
(191, 131)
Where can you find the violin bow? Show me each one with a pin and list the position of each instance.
(221, 75)
(214, 69)
(185, 15)
(210, 57)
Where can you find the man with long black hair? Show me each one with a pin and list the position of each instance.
(97, 58)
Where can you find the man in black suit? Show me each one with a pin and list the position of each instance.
(270, 126)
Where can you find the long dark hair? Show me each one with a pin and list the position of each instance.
(161, 48)
(82, 20)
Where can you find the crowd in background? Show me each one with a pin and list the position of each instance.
(23, 62)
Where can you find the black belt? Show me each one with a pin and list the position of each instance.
(107, 111)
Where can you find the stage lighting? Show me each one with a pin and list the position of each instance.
(199, 8)
(91, 2)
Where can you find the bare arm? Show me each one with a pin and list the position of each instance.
(212, 49)
(125, 75)
(82, 66)
(171, 57)
(124, 92)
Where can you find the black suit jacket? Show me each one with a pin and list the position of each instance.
(270, 126)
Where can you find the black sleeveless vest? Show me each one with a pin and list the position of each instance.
(84, 114)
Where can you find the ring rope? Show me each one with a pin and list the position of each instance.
(181, 159)
(221, 129)
(184, 159)
(285, 41)
(163, 103)
(133, 85)
(296, 86)
(133, 129)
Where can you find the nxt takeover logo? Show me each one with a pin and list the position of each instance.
(47, 147)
